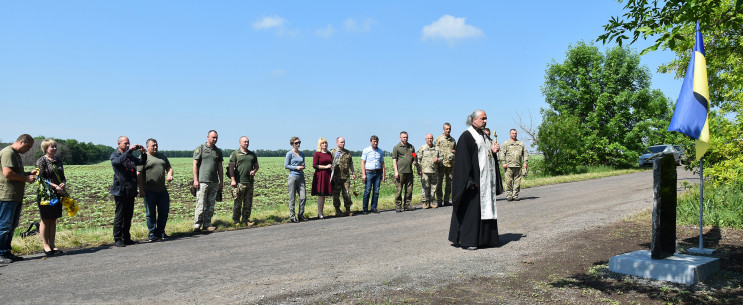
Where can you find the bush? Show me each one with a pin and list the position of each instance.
(723, 206)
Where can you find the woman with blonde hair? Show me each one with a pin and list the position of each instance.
(322, 161)
(295, 164)
(50, 169)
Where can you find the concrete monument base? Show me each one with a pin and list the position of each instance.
(678, 268)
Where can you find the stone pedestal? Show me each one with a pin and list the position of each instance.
(679, 268)
(664, 207)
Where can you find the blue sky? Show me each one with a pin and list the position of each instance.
(172, 70)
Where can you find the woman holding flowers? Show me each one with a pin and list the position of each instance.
(322, 161)
(50, 170)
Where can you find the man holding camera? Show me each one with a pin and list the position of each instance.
(124, 189)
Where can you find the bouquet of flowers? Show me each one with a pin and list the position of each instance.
(48, 196)
(44, 192)
(70, 205)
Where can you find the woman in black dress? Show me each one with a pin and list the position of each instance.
(50, 168)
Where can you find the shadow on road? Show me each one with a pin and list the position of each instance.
(509, 237)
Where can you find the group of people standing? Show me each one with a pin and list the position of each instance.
(472, 184)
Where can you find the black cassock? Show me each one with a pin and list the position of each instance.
(467, 228)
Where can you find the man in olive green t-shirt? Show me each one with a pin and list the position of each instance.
(402, 163)
(152, 178)
(12, 186)
(207, 178)
(242, 168)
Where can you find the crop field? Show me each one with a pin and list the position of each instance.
(89, 185)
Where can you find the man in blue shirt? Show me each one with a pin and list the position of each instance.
(372, 163)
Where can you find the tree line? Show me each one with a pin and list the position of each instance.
(258, 153)
(71, 151)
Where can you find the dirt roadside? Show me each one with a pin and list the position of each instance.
(577, 273)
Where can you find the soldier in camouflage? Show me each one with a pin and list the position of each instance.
(429, 157)
(446, 144)
(342, 171)
(514, 156)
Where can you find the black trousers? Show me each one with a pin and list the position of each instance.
(123, 217)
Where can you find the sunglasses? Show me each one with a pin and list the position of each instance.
(298, 142)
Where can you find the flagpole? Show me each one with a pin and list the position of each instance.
(701, 203)
(701, 249)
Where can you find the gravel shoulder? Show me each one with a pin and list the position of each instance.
(347, 260)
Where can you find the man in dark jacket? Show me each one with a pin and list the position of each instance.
(124, 189)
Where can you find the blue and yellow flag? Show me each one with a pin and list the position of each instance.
(690, 116)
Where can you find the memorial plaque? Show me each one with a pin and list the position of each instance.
(664, 207)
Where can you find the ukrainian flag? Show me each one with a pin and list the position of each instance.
(690, 116)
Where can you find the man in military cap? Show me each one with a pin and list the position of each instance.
(429, 157)
(402, 163)
(446, 144)
(515, 156)
(342, 171)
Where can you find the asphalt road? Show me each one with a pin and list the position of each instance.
(322, 260)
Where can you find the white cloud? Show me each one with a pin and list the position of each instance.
(351, 25)
(269, 22)
(450, 29)
(326, 32)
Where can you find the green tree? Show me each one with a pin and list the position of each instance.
(616, 113)
(672, 25)
(560, 142)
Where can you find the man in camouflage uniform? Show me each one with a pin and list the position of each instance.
(446, 144)
(342, 170)
(429, 157)
(514, 156)
(242, 168)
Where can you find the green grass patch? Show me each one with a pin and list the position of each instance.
(723, 206)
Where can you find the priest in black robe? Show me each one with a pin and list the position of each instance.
(476, 182)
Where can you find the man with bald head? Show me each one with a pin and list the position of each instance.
(124, 188)
(207, 179)
(242, 168)
(342, 171)
(429, 158)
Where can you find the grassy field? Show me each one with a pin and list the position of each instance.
(89, 185)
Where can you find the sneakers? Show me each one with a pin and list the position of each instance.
(409, 208)
(5, 260)
(130, 242)
(164, 236)
(120, 243)
(197, 229)
(152, 237)
(375, 211)
(433, 205)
